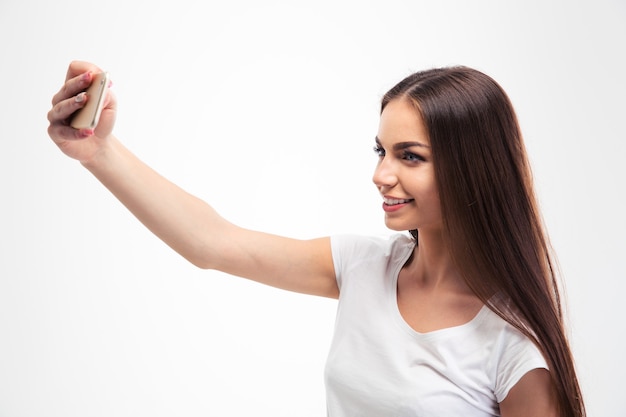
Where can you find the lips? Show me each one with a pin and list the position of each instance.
(396, 201)
(391, 205)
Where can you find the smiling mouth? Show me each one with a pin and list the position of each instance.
(395, 201)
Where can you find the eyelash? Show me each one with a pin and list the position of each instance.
(378, 150)
(408, 156)
(412, 157)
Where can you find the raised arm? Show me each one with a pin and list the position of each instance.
(187, 224)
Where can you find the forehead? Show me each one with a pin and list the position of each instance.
(400, 121)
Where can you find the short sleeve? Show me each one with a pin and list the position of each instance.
(351, 252)
(347, 251)
(335, 247)
(518, 356)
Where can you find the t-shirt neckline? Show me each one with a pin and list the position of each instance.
(434, 334)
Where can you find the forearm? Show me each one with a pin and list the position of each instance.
(184, 222)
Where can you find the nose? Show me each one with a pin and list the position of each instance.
(384, 174)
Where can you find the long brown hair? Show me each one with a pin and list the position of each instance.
(492, 224)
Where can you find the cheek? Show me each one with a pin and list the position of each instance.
(431, 204)
(425, 189)
(434, 197)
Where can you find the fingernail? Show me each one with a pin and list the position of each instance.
(85, 133)
(87, 76)
(80, 98)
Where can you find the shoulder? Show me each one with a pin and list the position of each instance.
(356, 252)
(363, 248)
(384, 245)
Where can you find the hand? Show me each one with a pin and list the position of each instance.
(81, 144)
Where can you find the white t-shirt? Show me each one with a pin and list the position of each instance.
(378, 366)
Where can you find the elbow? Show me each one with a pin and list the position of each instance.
(202, 264)
(198, 256)
(201, 261)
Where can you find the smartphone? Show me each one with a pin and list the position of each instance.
(88, 116)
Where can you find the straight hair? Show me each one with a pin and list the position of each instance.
(491, 221)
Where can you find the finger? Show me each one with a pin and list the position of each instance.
(79, 76)
(59, 133)
(110, 101)
(80, 67)
(62, 110)
(73, 86)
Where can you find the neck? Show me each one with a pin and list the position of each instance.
(431, 266)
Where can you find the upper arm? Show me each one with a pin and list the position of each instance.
(196, 231)
(533, 395)
(304, 266)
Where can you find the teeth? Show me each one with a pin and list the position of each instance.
(393, 201)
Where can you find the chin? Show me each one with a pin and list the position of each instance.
(398, 227)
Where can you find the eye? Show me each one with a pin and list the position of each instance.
(412, 157)
(378, 150)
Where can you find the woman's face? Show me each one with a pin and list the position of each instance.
(405, 175)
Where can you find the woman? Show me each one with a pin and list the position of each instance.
(462, 317)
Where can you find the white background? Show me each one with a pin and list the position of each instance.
(268, 110)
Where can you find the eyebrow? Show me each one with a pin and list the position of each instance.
(403, 145)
